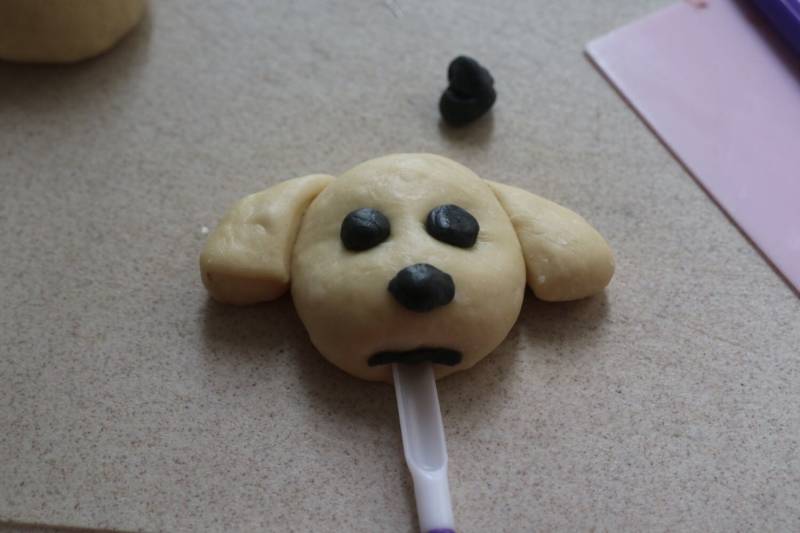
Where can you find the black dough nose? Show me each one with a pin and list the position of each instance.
(422, 287)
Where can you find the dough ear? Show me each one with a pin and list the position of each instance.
(247, 258)
(565, 257)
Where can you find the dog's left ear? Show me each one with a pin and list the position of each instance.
(565, 257)
(247, 257)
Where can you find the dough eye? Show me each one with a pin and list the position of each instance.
(453, 225)
(364, 228)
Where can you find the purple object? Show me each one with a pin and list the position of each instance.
(441, 531)
(784, 15)
(718, 93)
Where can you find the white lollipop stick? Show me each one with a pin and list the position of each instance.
(424, 445)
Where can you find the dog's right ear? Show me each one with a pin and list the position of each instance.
(565, 257)
(247, 258)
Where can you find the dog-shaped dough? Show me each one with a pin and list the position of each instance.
(404, 258)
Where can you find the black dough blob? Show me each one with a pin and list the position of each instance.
(422, 287)
(439, 356)
(453, 225)
(364, 228)
(470, 94)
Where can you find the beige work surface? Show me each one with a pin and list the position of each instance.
(129, 401)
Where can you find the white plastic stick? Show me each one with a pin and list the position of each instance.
(424, 445)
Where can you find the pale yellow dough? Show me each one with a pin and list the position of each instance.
(289, 235)
(63, 31)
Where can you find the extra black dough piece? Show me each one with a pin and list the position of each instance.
(470, 94)
(422, 287)
(363, 229)
(453, 225)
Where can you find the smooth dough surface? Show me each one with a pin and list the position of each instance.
(342, 296)
(63, 31)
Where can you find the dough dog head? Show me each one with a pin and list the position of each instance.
(404, 258)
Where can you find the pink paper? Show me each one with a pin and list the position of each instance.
(724, 95)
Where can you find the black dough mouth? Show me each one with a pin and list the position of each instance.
(439, 356)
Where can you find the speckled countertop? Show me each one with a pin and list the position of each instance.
(131, 402)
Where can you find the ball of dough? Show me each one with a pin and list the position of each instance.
(63, 31)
